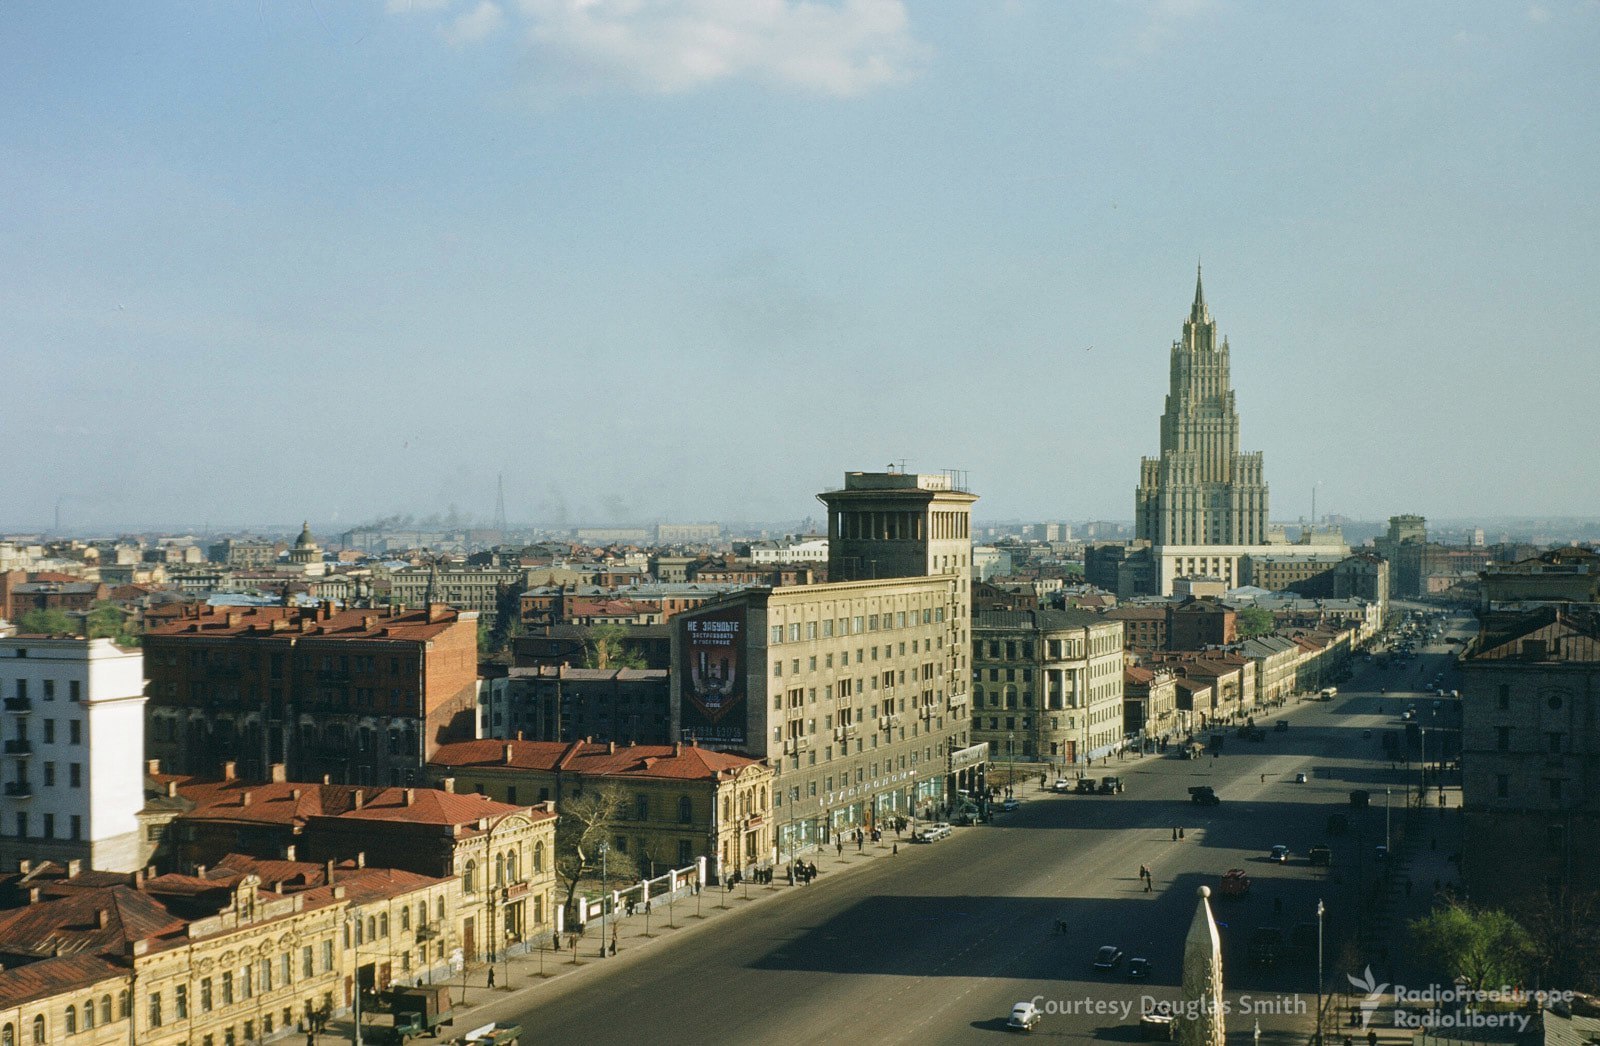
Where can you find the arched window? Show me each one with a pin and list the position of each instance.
(38, 1030)
(499, 869)
(439, 907)
(8, 1036)
(372, 928)
(422, 914)
(72, 1020)
(685, 810)
(105, 1009)
(511, 866)
(88, 1015)
(538, 857)
(469, 878)
(405, 918)
(383, 924)
(124, 1004)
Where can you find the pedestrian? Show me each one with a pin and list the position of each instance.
(491, 976)
(838, 845)
(895, 852)
(1149, 883)
(1180, 833)
(1263, 778)
(811, 870)
(311, 1038)
(1174, 835)
(1372, 1037)
(613, 944)
(858, 842)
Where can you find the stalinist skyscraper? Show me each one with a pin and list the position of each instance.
(1201, 490)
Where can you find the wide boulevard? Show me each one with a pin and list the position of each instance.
(937, 943)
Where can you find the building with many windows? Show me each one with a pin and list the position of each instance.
(855, 691)
(1047, 685)
(1529, 751)
(72, 718)
(363, 696)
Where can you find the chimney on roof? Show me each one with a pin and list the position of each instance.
(411, 795)
(611, 748)
(294, 793)
(369, 622)
(677, 748)
(505, 752)
(278, 773)
(172, 789)
(448, 785)
(328, 871)
(24, 866)
(233, 620)
(519, 735)
(361, 798)
(230, 770)
(244, 797)
(74, 866)
(33, 895)
(288, 852)
(199, 871)
(361, 859)
(102, 918)
(327, 779)
(152, 766)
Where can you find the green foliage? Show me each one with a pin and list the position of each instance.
(606, 646)
(1484, 945)
(109, 621)
(1255, 621)
(47, 622)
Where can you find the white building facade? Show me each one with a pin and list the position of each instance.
(72, 720)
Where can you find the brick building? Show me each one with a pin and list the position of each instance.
(363, 696)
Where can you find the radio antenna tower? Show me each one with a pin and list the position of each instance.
(500, 505)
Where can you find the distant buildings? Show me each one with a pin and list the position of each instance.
(563, 703)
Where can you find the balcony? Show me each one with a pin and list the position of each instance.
(19, 789)
(19, 747)
(20, 705)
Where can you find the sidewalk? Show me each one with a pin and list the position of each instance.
(521, 976)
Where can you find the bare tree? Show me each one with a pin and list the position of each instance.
(586, 822)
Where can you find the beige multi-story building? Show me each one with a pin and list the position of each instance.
(1047, 685)
(683, 801)
(466, 588)
(1150, 703)
(855, 691)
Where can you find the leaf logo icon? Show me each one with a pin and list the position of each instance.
(1374, 991)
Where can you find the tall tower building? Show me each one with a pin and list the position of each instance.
(899, 524)
(1201, 490)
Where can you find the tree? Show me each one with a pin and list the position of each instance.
(47, 622)
(585, 824)
(1255, 621)
(109, 621)
(1484, 945)
(606, 646)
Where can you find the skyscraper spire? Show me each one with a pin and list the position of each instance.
(1198, 312)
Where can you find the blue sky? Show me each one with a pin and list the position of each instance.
(696, 259)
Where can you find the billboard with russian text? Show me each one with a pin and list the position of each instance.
(713, 678)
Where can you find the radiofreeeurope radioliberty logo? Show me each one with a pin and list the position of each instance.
(1374, 999)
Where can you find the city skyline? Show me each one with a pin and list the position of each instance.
(343, 262)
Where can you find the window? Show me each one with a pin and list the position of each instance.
(71, 1020)
(105, 1009)
(74, 690)
(538, 856)
(1505, 696)
(1555, 838)
(49, 731)
(49, 775)
(75, 732)
(227, 988)
(1502, 740)
(642, 808)
(75, 773)
(1502, 786)
(469, 877)
(305, 961)
(38, 1028)
(155, 1015)
(685, 810)
(180, 1002)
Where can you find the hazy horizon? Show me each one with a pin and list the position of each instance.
(695, 260)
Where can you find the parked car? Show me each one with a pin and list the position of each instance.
(1010, 804)
(1109, 957)
(1062, 785)
(1203, 795)
(1299, 779)
(1283, 725)
(1279, 853)
(1235, 883)
(1320, 855)
(1024, 1015)
(1086, 786)
(1138, 969)
(931, 833)
(1111, 785)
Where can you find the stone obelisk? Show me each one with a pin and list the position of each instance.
(1201, 1022)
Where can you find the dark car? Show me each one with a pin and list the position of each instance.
(1086, 786)
(1109, 957)
(1283, 724)
(1138, 969)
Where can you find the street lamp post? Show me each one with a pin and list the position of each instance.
(1386, 822)
(605, 883)
(1320, 911)
(1011, 771)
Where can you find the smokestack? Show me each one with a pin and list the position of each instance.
(172, 789)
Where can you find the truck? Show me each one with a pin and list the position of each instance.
(418, 1011)
(1329, 693)
(1111, 785)
(1203, 795)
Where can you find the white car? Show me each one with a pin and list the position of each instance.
(1024, 1015)
(932, 833)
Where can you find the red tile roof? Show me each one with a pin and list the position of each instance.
(675, 762)
(291, 803)
(40, 980)
(326, 621)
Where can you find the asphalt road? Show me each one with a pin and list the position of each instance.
(936, 944)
